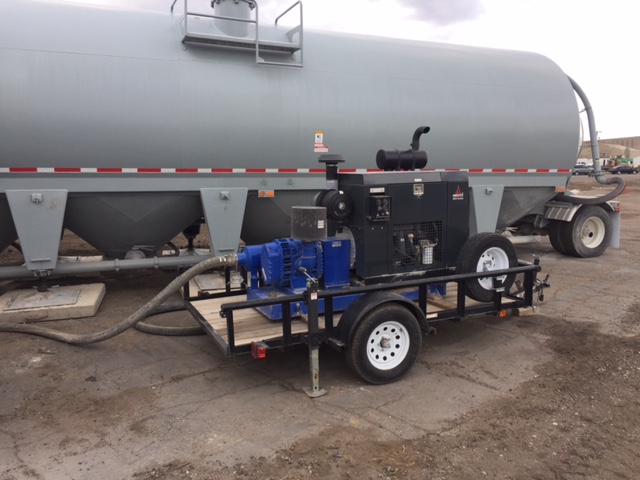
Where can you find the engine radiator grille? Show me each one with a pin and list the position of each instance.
(417, 244)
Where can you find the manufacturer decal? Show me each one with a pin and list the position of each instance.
(458, 195)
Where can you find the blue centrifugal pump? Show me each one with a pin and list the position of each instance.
(284, 266)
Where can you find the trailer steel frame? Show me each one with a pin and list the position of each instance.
(323, 328)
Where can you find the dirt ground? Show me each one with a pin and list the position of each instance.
(549, 396)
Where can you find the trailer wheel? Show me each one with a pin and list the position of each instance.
(385, 344)
(555, 236)
(486, 252)
(588, 234)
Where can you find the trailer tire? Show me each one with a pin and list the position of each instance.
(486, 251)
(588, 234)
(555, 236)
(385, 344)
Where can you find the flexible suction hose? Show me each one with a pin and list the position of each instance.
(595, 152)
(168, 330)
(143, 312)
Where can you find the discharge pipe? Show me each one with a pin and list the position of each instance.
(131, 320)
(62, 269)
(595, 153)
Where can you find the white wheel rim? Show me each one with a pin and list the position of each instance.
(388, 345)
(492, 259)
(592, 232)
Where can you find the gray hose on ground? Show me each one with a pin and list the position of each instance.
(131, 320)
(595, 153)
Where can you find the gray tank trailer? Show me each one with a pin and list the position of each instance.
(128, 127)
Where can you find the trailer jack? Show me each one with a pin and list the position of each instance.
(314, 339)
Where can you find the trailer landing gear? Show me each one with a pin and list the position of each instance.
(313, 340)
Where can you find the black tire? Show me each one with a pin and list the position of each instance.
(497, 251)
(588, 234)
(555, 236)
(385, 344)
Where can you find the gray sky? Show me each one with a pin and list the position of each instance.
(593, 41)
(445, 12)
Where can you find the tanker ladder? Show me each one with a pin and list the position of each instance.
(380, 329)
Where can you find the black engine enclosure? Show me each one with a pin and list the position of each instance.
(394, 213)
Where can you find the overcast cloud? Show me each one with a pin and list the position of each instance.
(445, 12)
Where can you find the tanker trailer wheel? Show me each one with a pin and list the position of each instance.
(555, 236)
(588, 234)
(486, 252)
(385, 344)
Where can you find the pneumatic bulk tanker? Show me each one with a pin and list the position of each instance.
(133, 122)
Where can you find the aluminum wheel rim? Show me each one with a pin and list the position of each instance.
(592, 232)
(388, 345)
(492, 259)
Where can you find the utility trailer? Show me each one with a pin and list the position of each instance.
(380, 332)
(359, 266)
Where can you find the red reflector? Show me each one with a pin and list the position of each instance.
(502, 313)
(258, 350)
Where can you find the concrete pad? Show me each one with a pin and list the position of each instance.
(211, 283)
(80, 259)
(76, 301)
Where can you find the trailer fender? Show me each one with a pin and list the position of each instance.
(564, 212)
(352, 317)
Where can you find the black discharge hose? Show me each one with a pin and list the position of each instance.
(131, 320)
(168, 330)
(595, 153)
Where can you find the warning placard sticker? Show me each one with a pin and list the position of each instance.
(319, 146)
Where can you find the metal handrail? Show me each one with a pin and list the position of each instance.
(257, 33)
(523, 267)
(299, 28)
(222, 17)
(299, 2)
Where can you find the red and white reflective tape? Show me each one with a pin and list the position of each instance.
(285, 171)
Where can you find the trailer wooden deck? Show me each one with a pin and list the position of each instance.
(252, 326)
(249, 324)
